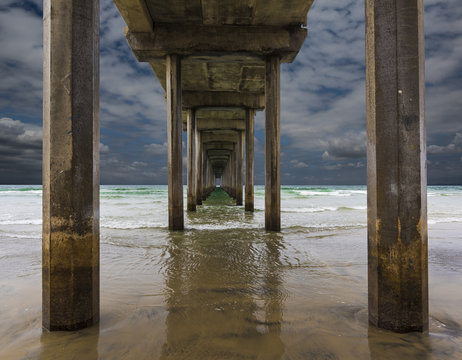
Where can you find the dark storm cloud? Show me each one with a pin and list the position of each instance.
(322, 97)
(20, 152)
(454, 147)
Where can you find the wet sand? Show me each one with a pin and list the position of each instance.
(231, 294)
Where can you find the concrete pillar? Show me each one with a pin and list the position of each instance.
(198, 167)
(232, 174)
(204, 175)
(70, 241)
(191, 127)
(272, 145)
(239, 168)
(174, 141)
(249, 160)
(396, 166)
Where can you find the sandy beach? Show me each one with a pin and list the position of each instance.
(226, 292)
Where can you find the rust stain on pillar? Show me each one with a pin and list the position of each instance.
(70, 239)
(397, 208)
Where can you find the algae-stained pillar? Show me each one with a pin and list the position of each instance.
(396, 171)
(198, 167)
(174, 142)
(249, 160)
(239, 167)
(272, 145)
(70, 242)
(191, 129)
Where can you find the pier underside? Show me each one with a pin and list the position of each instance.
(219, 62)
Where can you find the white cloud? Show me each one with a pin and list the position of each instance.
(454, 147)
(339, 166)
(156, 149)
(103, 149)
(298, 164)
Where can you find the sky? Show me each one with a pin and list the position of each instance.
(323, 120)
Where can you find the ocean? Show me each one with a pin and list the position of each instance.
(224, 288)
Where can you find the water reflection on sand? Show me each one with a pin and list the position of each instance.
(231, 293)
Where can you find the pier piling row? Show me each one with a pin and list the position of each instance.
(219, 63)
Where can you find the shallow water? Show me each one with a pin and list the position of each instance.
(226, 289)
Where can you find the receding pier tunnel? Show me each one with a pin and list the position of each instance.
(219, 62)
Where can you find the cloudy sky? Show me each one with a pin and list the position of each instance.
(322, 100)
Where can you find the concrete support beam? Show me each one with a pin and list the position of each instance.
(199, 150)
(396, 160)
(174, 144)
(191, 206)
(219, 146)
(70, 241)
(225, 136)
(135, 14)
(223, 99)
(239, 167)
(206, 41)
(249, 160)
(272, 145)
(220, 124)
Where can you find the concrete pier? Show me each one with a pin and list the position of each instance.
(231, 63)
(70, 242)
(174, 143)
(191, 129)
(396, 173)
(249, 160)
(272, 145)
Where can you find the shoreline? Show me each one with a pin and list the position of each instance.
(318, 305)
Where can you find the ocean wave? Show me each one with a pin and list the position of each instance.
(340, 193)
(21, 222)
(434, 220)
(322, 209)
(221, 226)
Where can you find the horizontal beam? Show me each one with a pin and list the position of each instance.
(220, 124)
(218, 152)
(219, 146)
(208, 137)
(136, 14)
(211, 41)
(222, 99)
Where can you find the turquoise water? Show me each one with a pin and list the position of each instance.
(224, 288)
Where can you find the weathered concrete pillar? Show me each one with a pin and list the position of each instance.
(239, 168)
(272, 145)
(249, 159)
(70, 242)
(204, 175)
(233, 172)
(198, 167)
(396, 166)
(191, 128)
(174, 141)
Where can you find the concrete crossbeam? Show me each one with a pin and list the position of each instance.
(216, 40)
(223, 99)
(217, 136)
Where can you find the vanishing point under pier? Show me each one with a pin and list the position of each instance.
(219, 62)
